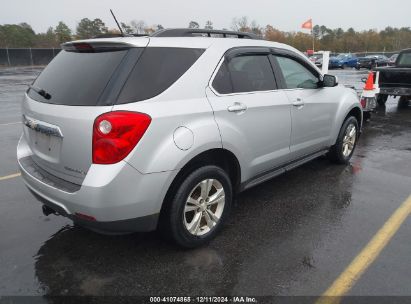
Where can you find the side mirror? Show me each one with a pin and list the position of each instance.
(329, 81)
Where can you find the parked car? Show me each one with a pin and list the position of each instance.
(343, 61)
(317, 59)
(372, 61)
(319, 62)
(396, 80)
(392, 59)
(137, 133)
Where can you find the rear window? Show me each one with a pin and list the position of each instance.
(404, 59)
(156, 70)
(77, 79)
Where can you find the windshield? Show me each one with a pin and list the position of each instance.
(342, 56)
(404, 59)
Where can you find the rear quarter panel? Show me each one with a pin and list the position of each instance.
(157, 150)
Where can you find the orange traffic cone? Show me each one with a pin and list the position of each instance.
(369, 84)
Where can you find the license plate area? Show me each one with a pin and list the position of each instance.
(45, 146)
(45, 139)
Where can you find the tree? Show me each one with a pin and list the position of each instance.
(139, 26)
(336, 40)
(127, 29)
(316, 31)
(62, 32)
(17, 35)
(272, 34)
(256, 28)
(241, 24)
(90, 28)
(45, 40)
(208, 25)
(193, 25)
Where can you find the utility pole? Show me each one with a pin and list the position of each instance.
(312, 34)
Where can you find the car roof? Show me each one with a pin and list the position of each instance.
(188, 42)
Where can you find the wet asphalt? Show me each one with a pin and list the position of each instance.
(292, 235)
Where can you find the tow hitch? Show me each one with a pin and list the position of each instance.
(47, 210)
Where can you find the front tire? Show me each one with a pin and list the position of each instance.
(382, 99)
(200, 207)
(404, 101)
(366, 116)
(344, 147)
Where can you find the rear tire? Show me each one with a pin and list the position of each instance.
(199, 208)
(344, 147)
(382, 99)
(366, 116)
(403, 101)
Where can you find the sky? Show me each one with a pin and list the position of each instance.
(286, 15)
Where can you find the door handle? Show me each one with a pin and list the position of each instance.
(298, 103)
(237, 107)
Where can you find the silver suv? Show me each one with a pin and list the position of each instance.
(131, 134)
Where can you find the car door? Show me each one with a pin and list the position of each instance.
(313, 107)
(352, 60)
(252, 115)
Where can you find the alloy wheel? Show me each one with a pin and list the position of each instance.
(204, 207)
(349, 139)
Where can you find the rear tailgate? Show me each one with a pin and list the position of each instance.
(81, 84)
(395, 77)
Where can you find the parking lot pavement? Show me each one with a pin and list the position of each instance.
(293, 235)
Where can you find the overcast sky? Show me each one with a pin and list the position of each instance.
(287, 15)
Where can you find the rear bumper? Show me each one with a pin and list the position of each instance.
(368, 104)
(118, 197)
(144, 223)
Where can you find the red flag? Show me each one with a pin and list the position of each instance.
(308, 24)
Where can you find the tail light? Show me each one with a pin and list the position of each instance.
(115, 134)
(363, 102)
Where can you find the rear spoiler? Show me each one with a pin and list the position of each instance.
(95, 46)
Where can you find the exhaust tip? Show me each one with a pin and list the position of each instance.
(47, 210)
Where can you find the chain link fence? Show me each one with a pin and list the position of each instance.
(26, 56)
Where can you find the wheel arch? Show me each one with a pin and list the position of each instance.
(357, 113)
(349, 105)
(220, 157)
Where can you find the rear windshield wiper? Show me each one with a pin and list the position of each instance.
(40, 91)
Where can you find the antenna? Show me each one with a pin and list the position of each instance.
(119, 27)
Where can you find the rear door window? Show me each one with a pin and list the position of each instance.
(246, 73)
(77, 79)
(222, 80)
(156, 70)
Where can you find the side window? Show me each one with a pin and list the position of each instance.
(247, 73)
(222, 80)
(156, 70)
(296, 75)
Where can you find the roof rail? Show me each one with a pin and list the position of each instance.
(188, 32)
